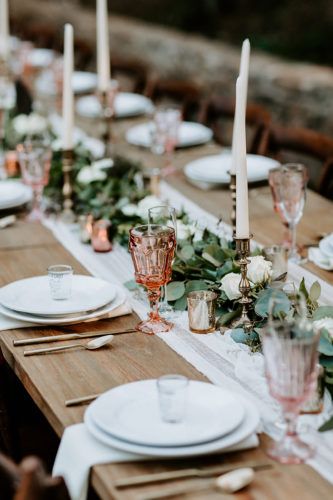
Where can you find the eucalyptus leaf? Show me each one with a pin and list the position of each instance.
(272, 300)
(315, 291)
(327, 426)
(226, 318)
(325, 344)
(186, 252)
(175, 290)
(194, 285)
(180, 304)
(214, 254)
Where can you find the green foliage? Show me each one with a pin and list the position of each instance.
(272, 301)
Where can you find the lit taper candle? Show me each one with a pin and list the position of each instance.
(67, 90)
(242, 202)
(244, 73)
(4, 29)
(103, 49)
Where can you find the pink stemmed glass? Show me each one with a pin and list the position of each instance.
(35, 162)
(290, 352)
(152, 247)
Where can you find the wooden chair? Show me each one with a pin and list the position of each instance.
(306, 142)
(184, 93)
(217, 110)
(29, 481)
(133, 70)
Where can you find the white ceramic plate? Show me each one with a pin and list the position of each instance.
(214, 169)
(190, 134)
(13, 194)
(32, 296)
(131, 412)
(41, 58)
(326, 245)
(244, 430)
(82, 82)
(47, 320)
(126, 105)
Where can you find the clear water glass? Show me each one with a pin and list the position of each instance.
(290, 353)
(60, 281)
(172, 393)
(164, 135)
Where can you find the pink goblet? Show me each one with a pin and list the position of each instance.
(152, 247)
(35, 162)
(290, 351)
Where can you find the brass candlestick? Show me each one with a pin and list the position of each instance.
(232, 187)
(243, 251)
(107, 113)
(67, 190)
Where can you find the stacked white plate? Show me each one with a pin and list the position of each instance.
(30, 300)
(126, 105)
(190, 134)
(128, 418)
(212, 171)
(82, 82)
(41, 58)
(14, 194)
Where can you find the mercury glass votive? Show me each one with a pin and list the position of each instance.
(60, 281)
(278, 256)
(201, 311)
(86, 226)
(172, 392)
(99, 237)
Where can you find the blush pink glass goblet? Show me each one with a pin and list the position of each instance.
(152, 247)
(35, 162)
(290, 352)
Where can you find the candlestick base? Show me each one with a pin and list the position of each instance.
(67, 215)
(243, 251)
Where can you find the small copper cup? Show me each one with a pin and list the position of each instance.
(100, 237)
(201, 311)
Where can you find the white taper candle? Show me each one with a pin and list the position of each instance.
(244, 73)
(4, 29)
(103, 49)
(67, 90)
(242, 202)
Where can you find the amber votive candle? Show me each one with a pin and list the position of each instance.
(100, 238)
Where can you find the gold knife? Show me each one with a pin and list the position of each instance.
(67, 336)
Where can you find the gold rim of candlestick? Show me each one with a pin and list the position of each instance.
(243, 252)
(67, 189)
(232, 187)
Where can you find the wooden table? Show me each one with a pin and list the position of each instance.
(50, 380)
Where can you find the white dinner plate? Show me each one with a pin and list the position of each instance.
(131, 413)
(247, 427)
(190, 134)
(326, 246)
(13, 194)
(47, 320)
(82, 82)
(214, 169)
(32, 296)
(41, 58)
(126, 105)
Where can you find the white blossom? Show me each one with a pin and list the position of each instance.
(103, 164)
(129, 209)
(146, 203)
(90, 174)
(259, 270)
(230, 285)
(32, 124)
(183, 230)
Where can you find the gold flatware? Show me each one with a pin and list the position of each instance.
(92, 345)
(82, 400)
(67, 336)
(188, 473)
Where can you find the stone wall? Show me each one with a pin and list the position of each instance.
(294, 93)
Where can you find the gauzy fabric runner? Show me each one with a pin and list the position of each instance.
(218, 357)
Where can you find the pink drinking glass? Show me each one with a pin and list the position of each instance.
(290, 351)
(35, 162)
(152, 247)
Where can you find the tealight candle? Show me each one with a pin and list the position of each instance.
(100, 238)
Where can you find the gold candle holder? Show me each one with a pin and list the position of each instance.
(243, 251)
(67, 189)
(107, 120)
(232, 187)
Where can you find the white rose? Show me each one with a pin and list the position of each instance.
(230, 285)
(36, 123)
(146, 203)
(183, 230)
(196, 232)
(259, 270)
(90, 174)
(129, 209)
(56, 145)
(103, 164)
(20, 124)
(326, 323)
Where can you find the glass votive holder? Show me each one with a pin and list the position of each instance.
(100, 237)
(86, 225)
(278, 256)
(60, 281)
(172, 393)
(201, 306)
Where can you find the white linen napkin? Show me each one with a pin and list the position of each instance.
(321, 260)
(79, 451)
(12, 324)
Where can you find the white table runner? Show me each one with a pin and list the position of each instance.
(218, 357)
